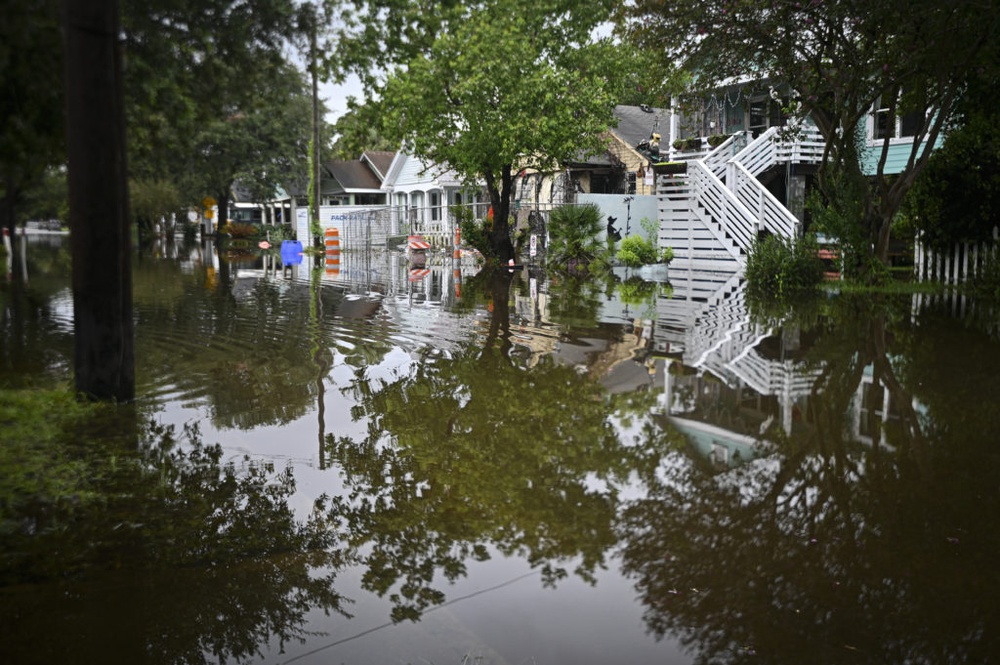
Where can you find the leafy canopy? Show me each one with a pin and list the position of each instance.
(840, 57)
(487, 87)
(507, 86)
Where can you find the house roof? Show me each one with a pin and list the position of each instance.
(353, 175)
(637, 123)
(634, 124)
(380, 161)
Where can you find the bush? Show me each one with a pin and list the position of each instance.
(574, 231)
(986, 282)
(637, 251)
(641, 251)
(475, 233)
(239, 230)
(779, 268)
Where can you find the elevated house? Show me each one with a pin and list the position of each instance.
(745, 168)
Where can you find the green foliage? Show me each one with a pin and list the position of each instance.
(210, 96)
(361, 129)
(32, 469)
(986, 282)
(838, 56)
(151, 200)
(240, 230)
(956, 198)
(637, 251)
(48, 198)
(32, 134)
(475, 232)
(778, 268)
(474, 94)
(573, 231)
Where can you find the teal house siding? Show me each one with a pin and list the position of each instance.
(895, 162)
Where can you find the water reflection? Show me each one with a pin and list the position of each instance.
(816, 487)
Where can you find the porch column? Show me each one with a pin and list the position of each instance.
(675, 123)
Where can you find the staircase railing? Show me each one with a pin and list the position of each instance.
(725, 195)
(733, 221)
(771, 147)
(769, 213)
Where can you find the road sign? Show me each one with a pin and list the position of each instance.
(208, 202)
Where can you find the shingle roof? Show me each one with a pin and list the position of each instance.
(636, 123)
(381, 160)
(353, 175)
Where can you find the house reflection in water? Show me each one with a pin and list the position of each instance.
(729, 380)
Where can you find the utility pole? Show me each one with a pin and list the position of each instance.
(315, 176)
(104, 344)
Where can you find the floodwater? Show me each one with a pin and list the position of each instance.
(389, 464)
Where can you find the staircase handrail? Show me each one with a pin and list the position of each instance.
(764, 207)
(717, 158)
(732, 216)
(773, 147)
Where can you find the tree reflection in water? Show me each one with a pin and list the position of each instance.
(166, 555)
(830, 548)
(463, 455)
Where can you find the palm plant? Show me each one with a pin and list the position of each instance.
(574, 238)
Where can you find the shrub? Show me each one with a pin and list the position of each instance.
(574, 231)
(475, 232)
(239, 230)
(715, 140)
(640, 251)
(986, 282)
(779, 268)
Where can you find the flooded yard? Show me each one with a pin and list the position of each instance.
(375, 464)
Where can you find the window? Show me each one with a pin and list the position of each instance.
(631, 182)
(887, 125)
(435, 203)
(765, 112)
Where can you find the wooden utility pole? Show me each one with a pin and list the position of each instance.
(104, 345)
(315, 176)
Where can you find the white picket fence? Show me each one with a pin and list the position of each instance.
(956, 265)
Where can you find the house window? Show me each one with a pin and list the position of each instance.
(758, 116)
(887, 125)
(631, 182)
(435, 202)
(765, 112)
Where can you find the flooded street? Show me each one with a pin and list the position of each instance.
(379, 465)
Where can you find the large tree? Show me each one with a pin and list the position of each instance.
(487, 87)
(841, 57)
(209, 86)
(31, 103)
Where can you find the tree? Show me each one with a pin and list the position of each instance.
(32, 136)
(841, 57)
(263, 143)
(957, 197)
(361, 129)
(488, 87)
(210, 93)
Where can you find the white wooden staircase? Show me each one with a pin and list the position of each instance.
(711, 214)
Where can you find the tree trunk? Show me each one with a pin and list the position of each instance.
(104, 360)
(222, 202)
(500, 240)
